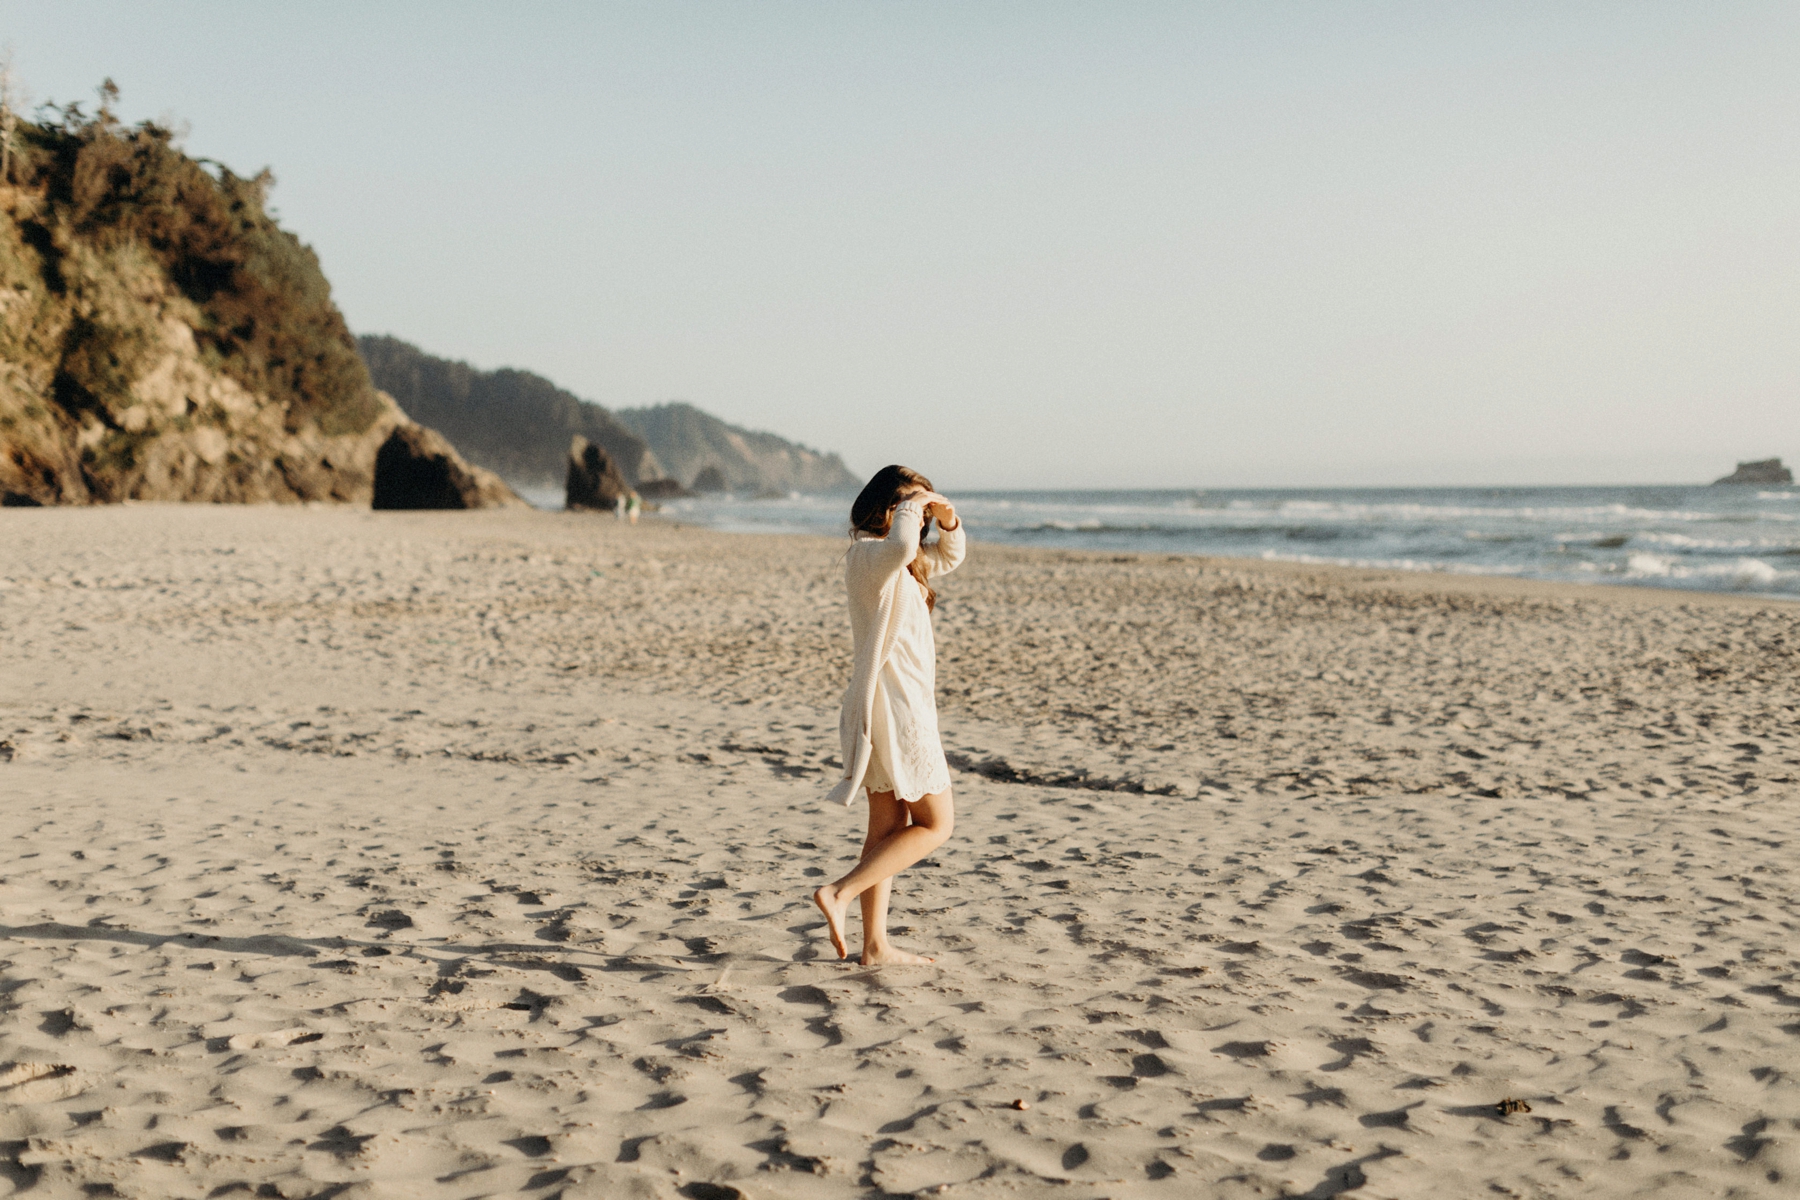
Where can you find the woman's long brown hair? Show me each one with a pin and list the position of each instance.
(872, 512)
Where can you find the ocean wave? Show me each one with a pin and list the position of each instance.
(1398, 564)
(1193, 533)
(1745, 574)
(1327, 509)
(1496, 522)
(1780, 547)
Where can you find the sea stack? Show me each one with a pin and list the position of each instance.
(594, 481)
(662, 489)
(417, 467)
(1763, 471)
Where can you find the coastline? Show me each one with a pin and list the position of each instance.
(1269, 878)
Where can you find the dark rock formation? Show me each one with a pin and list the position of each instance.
(593, 482)
(418, 468)
(1765, 471)
(710, 479)
(514, 423)
(688, 441)
(662, 489)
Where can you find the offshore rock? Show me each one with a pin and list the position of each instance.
(1763, 471)
(662, 489)
(594, 482)
(417, 467)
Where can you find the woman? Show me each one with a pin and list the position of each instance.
(888, 729)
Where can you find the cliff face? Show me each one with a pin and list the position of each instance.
(514, 423)
(161, 338)
(691, 443)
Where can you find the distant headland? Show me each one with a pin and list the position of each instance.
(520, 426)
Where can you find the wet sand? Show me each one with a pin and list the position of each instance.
(396, 854)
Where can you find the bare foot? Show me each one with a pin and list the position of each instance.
(887, 956)
(834, 909)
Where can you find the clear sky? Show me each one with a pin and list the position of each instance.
(1042, 244)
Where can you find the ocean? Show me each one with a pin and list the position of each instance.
(1734, 539)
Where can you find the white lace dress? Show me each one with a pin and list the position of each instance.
(906, 754)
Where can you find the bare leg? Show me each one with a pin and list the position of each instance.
(886, 815)
(930, 820)
(877, 950)
(874, 916)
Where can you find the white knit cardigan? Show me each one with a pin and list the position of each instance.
(873, 568)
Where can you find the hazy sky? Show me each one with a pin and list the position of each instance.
(1019, 244)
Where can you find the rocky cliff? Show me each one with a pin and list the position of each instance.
(708, 454)
(162, 338)
(514, 423)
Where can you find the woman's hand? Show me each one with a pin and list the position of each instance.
(933, 507)
(940, 510)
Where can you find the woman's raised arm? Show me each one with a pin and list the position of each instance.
(947, 554)
(901, 545)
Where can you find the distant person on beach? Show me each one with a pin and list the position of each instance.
(889, 729)
(633, 506)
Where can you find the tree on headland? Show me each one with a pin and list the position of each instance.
(9, 115)
(108, 91)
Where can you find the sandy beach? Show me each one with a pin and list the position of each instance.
(469, 854)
